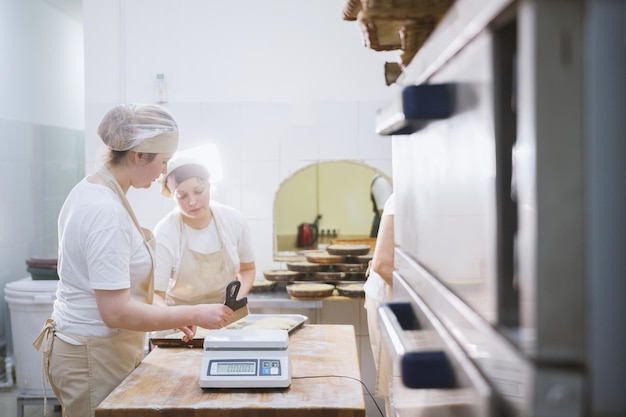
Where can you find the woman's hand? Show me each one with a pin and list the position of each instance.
(213, 316)
(189, 333)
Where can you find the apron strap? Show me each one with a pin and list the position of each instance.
(184, 242)
(115, 186)
(45, 338)
(148, 237)
(47, 332)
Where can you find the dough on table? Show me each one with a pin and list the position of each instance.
(269, 323)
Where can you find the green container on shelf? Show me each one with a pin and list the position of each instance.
(40, 274)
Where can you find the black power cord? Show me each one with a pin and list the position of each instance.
(348, 377)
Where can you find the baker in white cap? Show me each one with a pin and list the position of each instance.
(202, 245)
(103, 307)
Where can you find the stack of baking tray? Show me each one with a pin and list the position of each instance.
(342, 266)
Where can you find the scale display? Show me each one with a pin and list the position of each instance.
(226, 367)
(254, 358)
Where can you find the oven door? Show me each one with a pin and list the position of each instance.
(431, 377)
(439, 344)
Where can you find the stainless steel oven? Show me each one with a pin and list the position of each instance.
(431, 375)
(450, 362)
(491, 312)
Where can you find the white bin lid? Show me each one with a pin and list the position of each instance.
(27, 289)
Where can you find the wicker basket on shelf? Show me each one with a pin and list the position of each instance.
(388, 25)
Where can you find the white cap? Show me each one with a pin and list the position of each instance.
(179, 169)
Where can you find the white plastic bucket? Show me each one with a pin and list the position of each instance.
(30, 304)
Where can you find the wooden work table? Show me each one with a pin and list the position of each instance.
(325, 382)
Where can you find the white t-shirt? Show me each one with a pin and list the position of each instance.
(100, 248)
(234, 231)
(375, 287)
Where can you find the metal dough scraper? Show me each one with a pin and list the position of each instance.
(240, 307)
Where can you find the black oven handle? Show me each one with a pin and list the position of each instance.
(420, 369)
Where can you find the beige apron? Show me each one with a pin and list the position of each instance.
(83, 375)
(201, 278)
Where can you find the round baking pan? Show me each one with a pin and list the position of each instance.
(262, 286)
(329, 276)
(310, 282)
(354, 276)
(325, 258)
(344, 249)
(361, 259)
(304, 266)
(312, 290)
(351, 268)
(353, 290)
(281, 275)
(307, 277)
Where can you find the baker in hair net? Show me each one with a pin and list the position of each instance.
(202, 245)
(103, 307)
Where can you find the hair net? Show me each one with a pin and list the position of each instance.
(179, 169)
(140, 127)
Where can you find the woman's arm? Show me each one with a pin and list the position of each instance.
(119, 311)
(247, 273)
(382, 261)
(189, 331)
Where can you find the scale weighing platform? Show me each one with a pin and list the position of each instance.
(246, 358)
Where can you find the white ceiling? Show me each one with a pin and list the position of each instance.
(73, 8)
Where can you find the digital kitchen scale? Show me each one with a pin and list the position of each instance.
(246, 358)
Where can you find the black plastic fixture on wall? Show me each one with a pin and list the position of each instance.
(417, 105)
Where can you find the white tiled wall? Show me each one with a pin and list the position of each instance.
(44, 164)
(41, 124)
